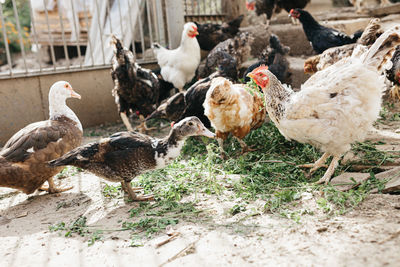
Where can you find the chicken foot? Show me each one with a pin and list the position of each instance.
(245, 147)
(52, 189)
(329, 172)
(142, 126)
(316, 165)
(132, 192)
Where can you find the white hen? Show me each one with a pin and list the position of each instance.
(178, 66)
(336, 106)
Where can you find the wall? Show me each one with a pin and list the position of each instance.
(25, 100)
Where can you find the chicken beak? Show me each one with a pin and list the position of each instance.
(75, 94)
(205, 132)
(196, 33)
(251, 75)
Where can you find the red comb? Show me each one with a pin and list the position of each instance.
(172, 124)
(137, 112)
(262, 67)
(194, 28)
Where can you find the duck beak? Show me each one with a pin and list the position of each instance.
(75, 94)
(205, 132)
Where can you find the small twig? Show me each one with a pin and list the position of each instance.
(171, 237)
(391, 237)
(277, 161)
(181, 252)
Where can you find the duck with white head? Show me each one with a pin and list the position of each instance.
(23, 159)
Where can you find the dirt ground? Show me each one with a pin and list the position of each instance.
(369, 235)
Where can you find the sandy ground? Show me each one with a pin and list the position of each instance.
(367, 236)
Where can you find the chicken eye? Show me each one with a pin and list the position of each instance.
(66, 86)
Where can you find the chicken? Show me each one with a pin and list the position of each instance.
(231, 108)
(393, 74)
(136, 89)
(321, 37)
(336, 106)
(268, 7)
(334, 54)
(275, 58)
(178, 66)
(190, 103)
(211, 34)
(238, 48)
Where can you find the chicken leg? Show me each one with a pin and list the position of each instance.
(125, 120)
(132, 192)
(316, 165)
(329, 172)
(395, 92)
(221, 148)
(52, 189)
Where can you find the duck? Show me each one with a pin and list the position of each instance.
(125, 155)
(24, 157)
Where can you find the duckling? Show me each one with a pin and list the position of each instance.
(124, 155)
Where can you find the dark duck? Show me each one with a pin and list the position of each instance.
(125, 155)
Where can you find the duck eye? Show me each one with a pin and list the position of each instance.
(190, 123)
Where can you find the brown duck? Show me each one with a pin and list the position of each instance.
(124, 155)
(23, 159)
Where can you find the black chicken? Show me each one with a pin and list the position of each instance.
(274, 58)
(211, 34)
(268, 7)
(234, 49)
(321, 37)
(136, 89)
(394, 74)
(190, 103)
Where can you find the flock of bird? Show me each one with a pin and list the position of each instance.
(334, 108)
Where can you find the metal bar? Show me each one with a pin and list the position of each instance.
(38, 54)
(160, 22)
(77, 32)
(141, 29)
(198, 7)
(53, 57)
(120, 16)
(21, 43)
(101, 32)
(148, 10)
(192, 11)
(6, 40)
(109, 15)
(132, 29)
(87, 30)
(63, 35)
(155, 22)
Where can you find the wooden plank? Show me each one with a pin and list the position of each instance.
(385, 10)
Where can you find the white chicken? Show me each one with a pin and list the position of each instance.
(178, 66)
(336, 106)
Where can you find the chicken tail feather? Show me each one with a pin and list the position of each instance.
(381, 51)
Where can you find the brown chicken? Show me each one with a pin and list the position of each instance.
(233, 108)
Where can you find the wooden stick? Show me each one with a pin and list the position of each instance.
(181, 253)
(171, 237)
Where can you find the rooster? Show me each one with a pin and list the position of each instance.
(268, 7)
(231, 108)
(211, 34)
(136, 89)
(178, 66)
(334, 54)
(336, 106)
(321, 37)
